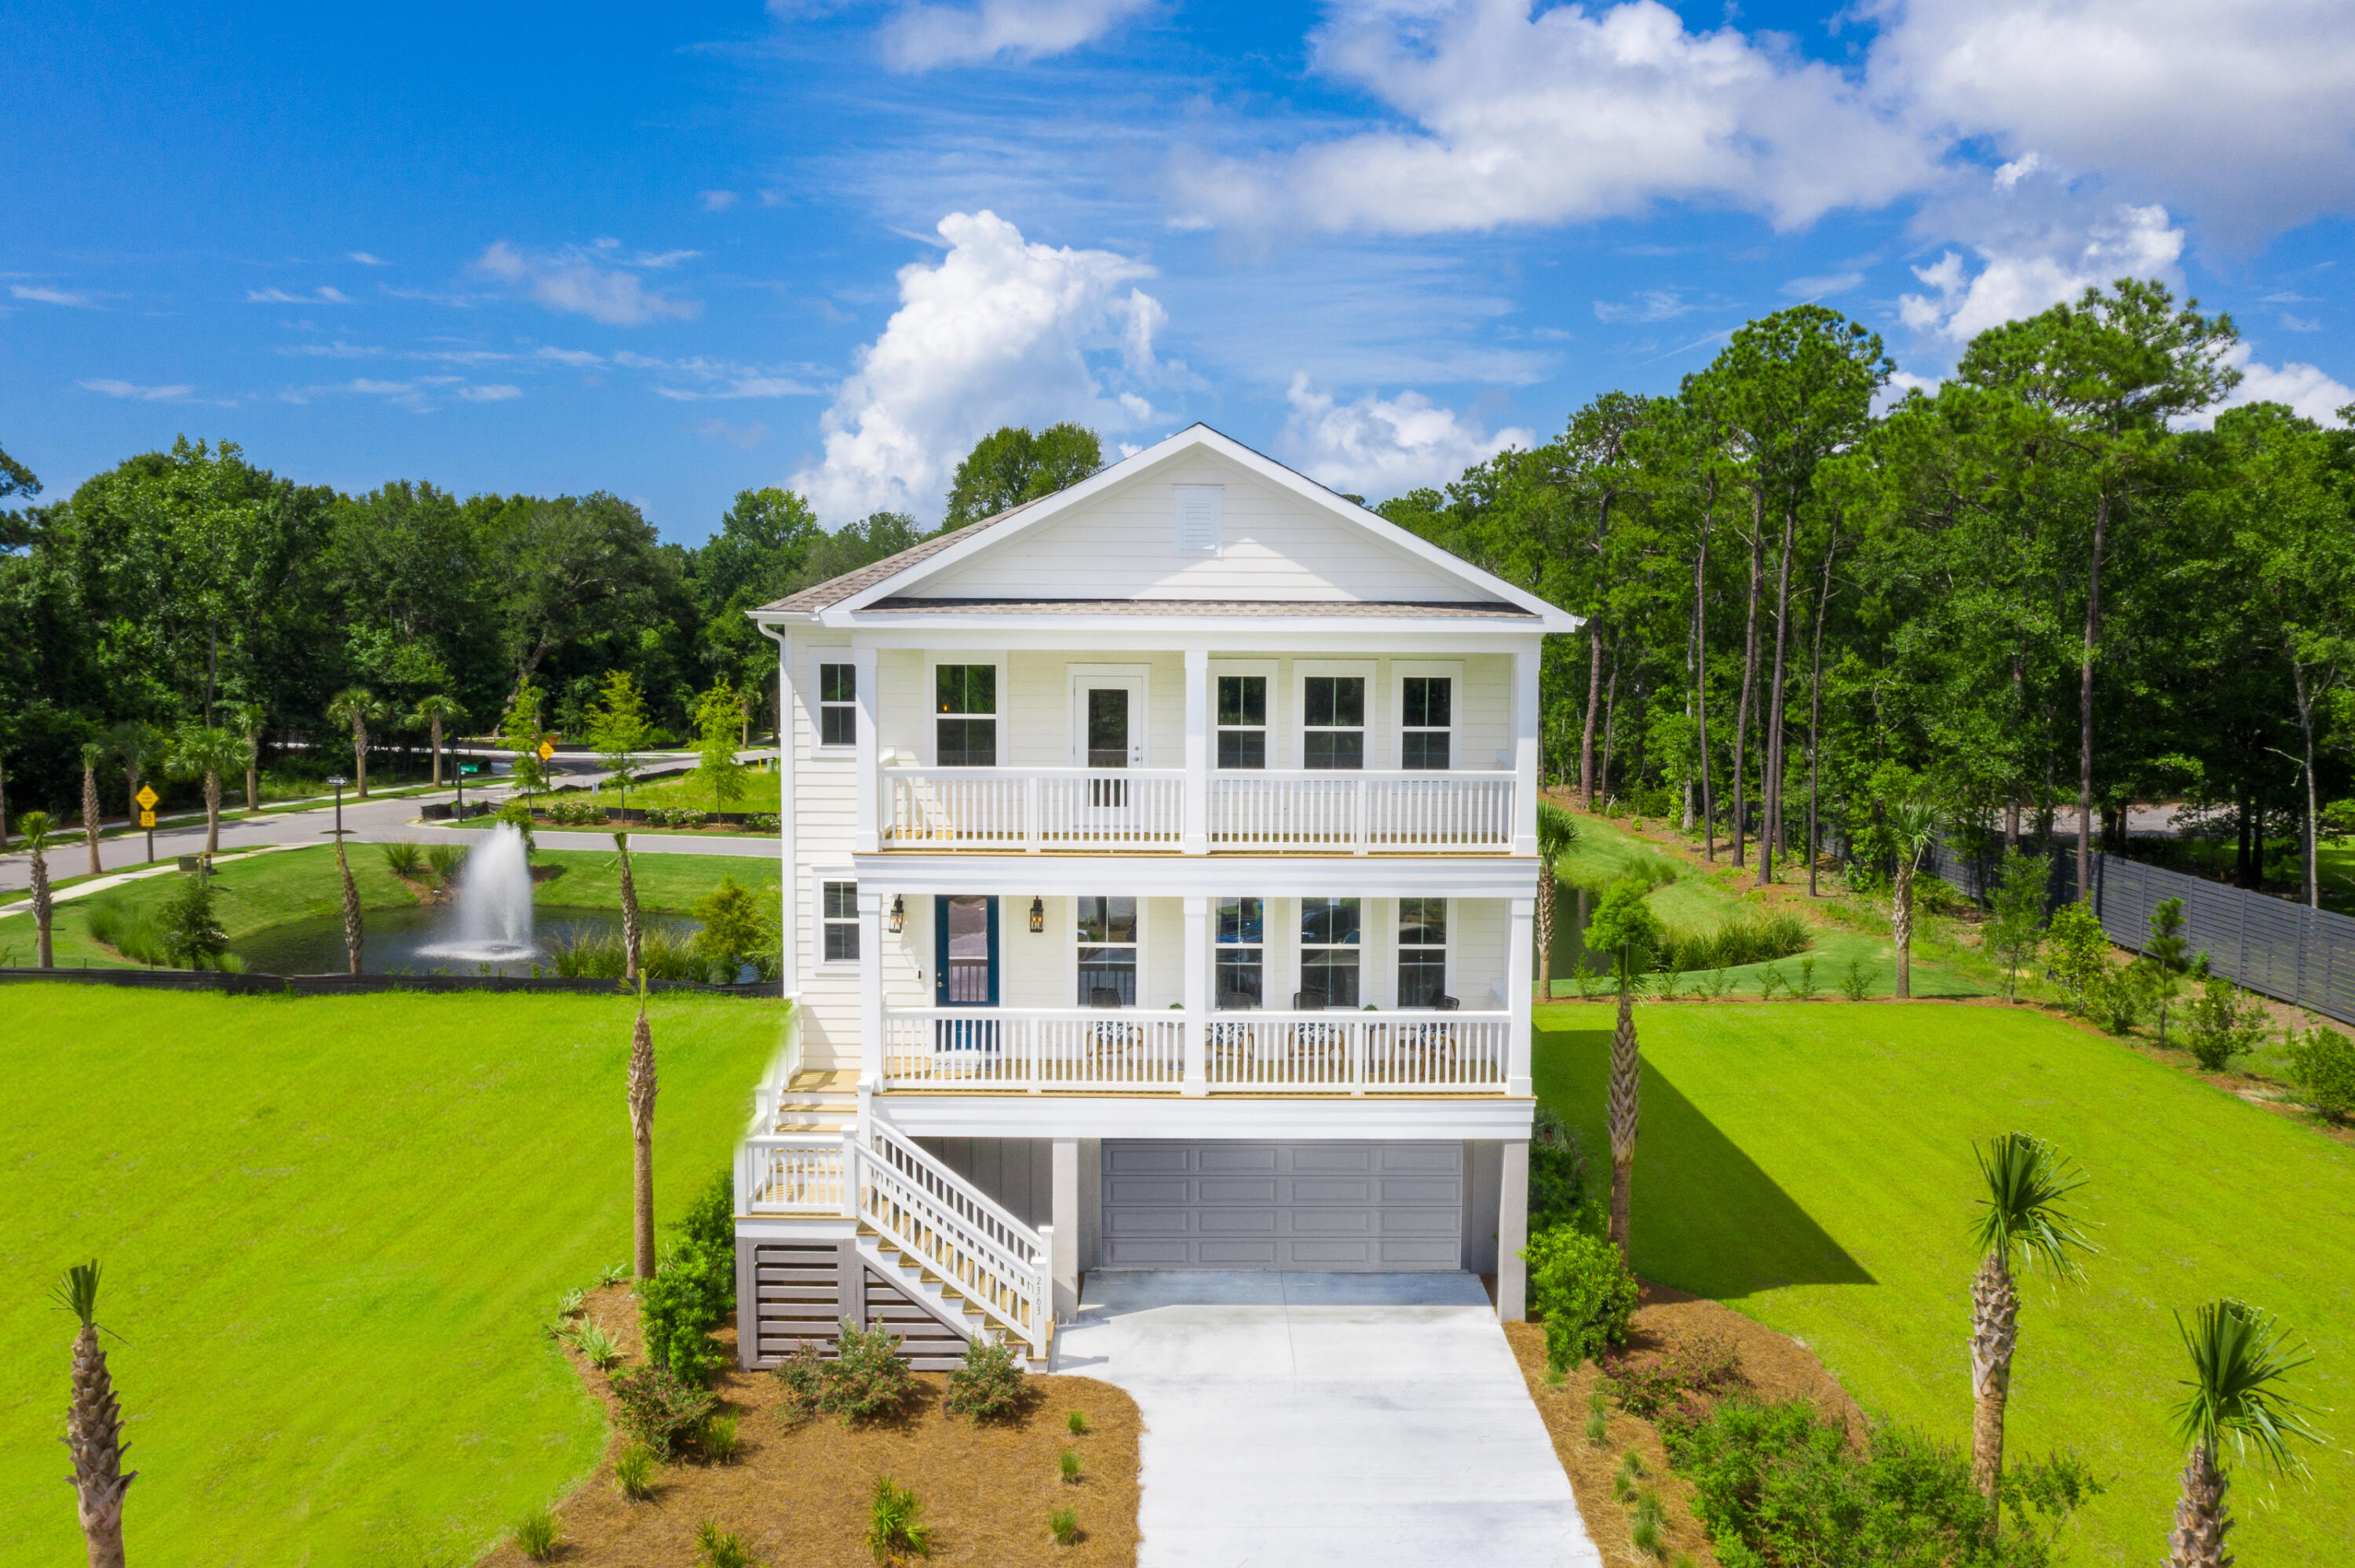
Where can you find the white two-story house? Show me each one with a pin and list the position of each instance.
(1159, 865)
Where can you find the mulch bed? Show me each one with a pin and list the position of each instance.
(1774, 1367)
(798, 1496)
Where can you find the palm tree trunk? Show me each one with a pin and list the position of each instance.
(437, 751)
(1900, 927)
(359, 755)
(2201, 1523)
(252, 775)
(633, 929)
(642, 1134)
(212, 811)
(1995, 1332)
(94, 1438)
(352, 933)
(1626, 1098)
(89, 816)
(46, 952)
(1545, 930)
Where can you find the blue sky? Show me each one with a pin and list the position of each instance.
(675, 251)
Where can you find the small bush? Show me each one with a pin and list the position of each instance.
(1067, 1465)
(989, 1386)
(1856, 984)
(576, 813)
(446, 859)
(718, 1548)
(1598, 1421)
(1647, 1524)
(517, 814)
(1076, 1423)
(634, 1473)
(1805, 990)
(1770, 981)
(1581, 1286)
(1624, 1479)
(719, 1439)
(1559, 1191)
(1703, 1364)
(597, 1347)
(695, 1290)
(1750, 936)
(763, 822)
(402, 858)
(2118, 997)
(186, 929)
(1064, 1526)
(2322, 1065)
(573, 1303)
(2222, 1023)
(659, 1409)
(866, 1380)
(896, 1531)
(537, 1535)
(674, 817)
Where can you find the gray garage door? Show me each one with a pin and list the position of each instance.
(1222, 1205)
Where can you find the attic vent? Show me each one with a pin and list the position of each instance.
(1197, 518)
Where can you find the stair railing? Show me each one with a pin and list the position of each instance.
(945, 1225)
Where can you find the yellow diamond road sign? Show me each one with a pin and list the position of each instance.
(146, 799)
(546, 749)
(147, 819)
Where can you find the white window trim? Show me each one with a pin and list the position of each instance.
(818, 705)
(819, 877)
(1073, 945)
(1296, 730)
(1450, 669)
(1447, 972)
(1141, 722)
(1267, 669)
(931, 748)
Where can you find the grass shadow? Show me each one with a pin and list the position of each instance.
(1706, 1218)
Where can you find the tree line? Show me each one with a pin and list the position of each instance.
(2065, 581)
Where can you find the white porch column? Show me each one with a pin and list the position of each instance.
(1520, 966)
(870, 987)
(870, 778)
(1063, 1247)
(1525, 748)
(1197, 831)
(1197, 1079)
(1513, 1234)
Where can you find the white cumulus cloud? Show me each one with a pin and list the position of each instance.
(921, 36)
(141, 394)
(999, 331)
(2306, 389)
(2016, 281)
(595, 281)
(1380, 447)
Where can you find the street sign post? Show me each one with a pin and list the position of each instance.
(146, 799)
(546, 749)
(148, 820)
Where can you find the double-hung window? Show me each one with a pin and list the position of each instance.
(837, 705)
(966, 715)
(1241, 954)
(1107, 935)
(1333, 721)
(838, 921)
(1426, 718)
(1422, 951)
(1242, 720)
(1328, 952)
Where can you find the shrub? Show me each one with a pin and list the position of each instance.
(1581, 1286)
(1749, 937)
(597, 1347)
(1857, 984)
(2080, 949)
(536, 1535)
(896, 1531)
(1558, 1194)
(2322, 1065)
(1064, 1526)
(517, 814)
(2118, 997)
(186, 929)
(446, 859)
(129, 931)
(719, 1439)
(674, 817)
(402, 858)
(1705, 1363)
(634, 1473)
(1770, 981)
(1067, 1464)
(989, 1386)
(1648, 1525)
(865, 1380)
(763, 822)
(1805, 990)
(1598, 1420)
(660, 1410)
(1076, 1423)
(577, 813)
(695, 1291)
(2221, 1023)
(718, 1548)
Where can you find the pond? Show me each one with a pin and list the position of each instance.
(1571, 907)
(400, 941)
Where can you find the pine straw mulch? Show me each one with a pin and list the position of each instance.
(1774, 1367)
(798, 1496)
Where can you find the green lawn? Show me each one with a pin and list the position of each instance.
(331, 1229)
(1811, 1166)
(295, 885)
(759, 794)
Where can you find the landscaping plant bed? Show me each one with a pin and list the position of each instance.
(798, 1495)
(1774, 1367)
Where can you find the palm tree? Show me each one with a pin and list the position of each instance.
(2022, 1213)
(94, 1426)
(1909, 826)
(434, 713)
(2240, 1358)
(1625, 926)
(93, 753)
(633, 929)
(1557, 830)
(201, 751)
(247, 719)
(355, 706)
(34, 826)
(138, 746)
(642, 1135)
(352, 932)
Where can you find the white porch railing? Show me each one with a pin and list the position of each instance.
(1359, 812)
(932, 1216)
(1133, 1050)
(1033, 1048)
(1033, 808)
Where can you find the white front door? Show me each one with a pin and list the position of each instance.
(1107, 733)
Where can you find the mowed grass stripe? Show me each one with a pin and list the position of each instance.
(331, 1230)
(1811, 1165)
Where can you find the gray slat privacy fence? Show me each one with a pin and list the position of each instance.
(2285, 950)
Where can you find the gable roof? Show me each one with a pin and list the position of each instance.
(893, 585)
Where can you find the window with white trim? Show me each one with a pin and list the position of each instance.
(838, 922)
(1242, 720)
(1328, 952)
(965, 706)
(1333, 721)
(1426, 721)
(837, 705)
(1239, 945)
(1422, 951)
(1107, 932)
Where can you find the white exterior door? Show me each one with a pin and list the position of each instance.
(1222, 1204)
(1108, 721)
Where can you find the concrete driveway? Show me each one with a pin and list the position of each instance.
(1305, 1419)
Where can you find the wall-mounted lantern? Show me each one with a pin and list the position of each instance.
(1038, 915)
(899, 912)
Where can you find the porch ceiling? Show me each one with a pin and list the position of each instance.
(1257, 1117)
(901, 871)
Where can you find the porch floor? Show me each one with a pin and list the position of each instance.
(1303, 1419)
